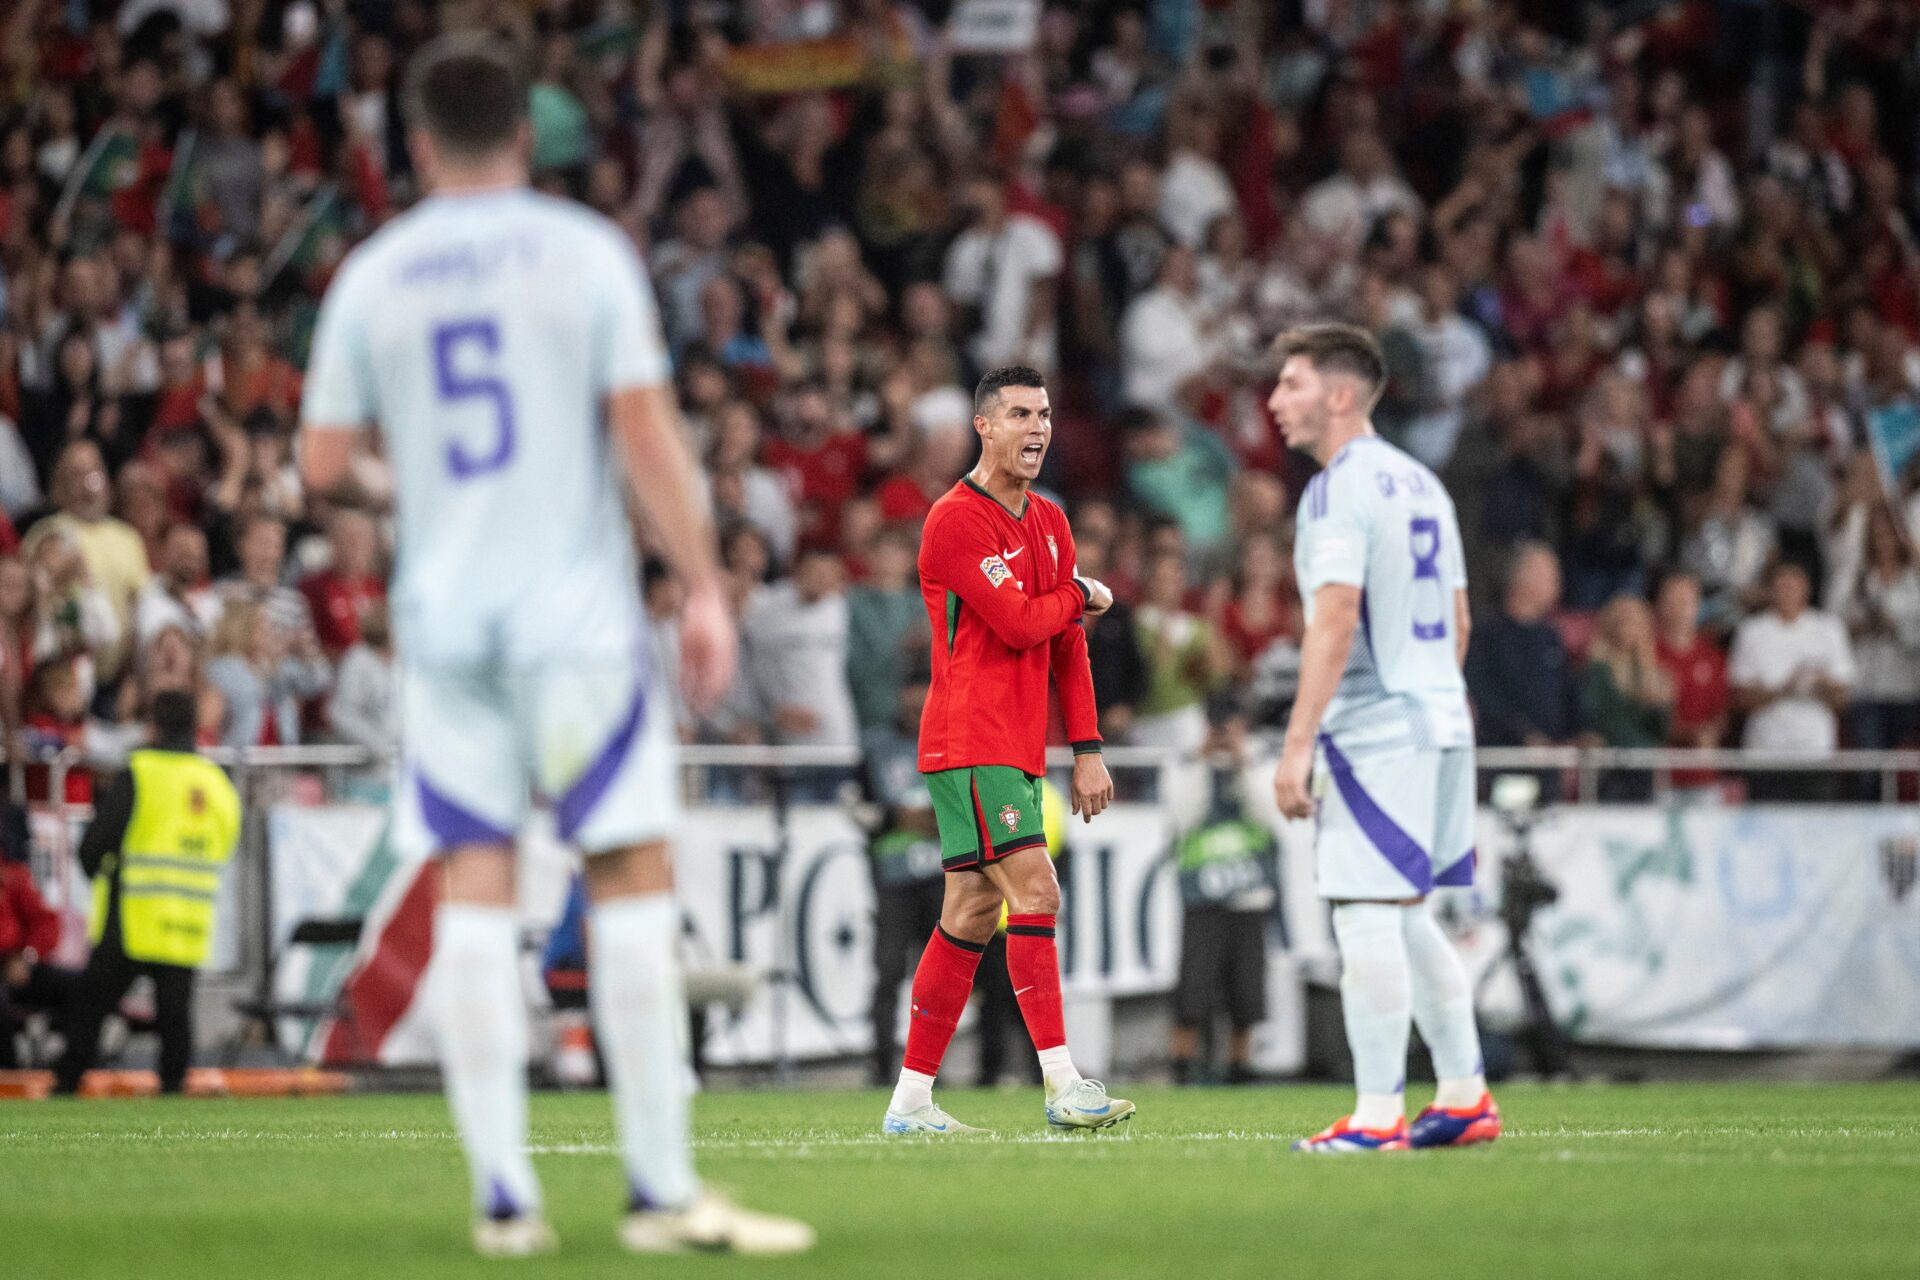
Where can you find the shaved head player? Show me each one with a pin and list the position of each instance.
(997, 575)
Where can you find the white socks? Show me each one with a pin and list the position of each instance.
(479, 1018)
(1443, 1010)
(1377, 1001)
(914, 1091)
(1056, 1070)
(640, 1016)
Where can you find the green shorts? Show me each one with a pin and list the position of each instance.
(985, 813)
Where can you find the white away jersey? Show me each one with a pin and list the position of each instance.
(481, 335)
(1379, 520)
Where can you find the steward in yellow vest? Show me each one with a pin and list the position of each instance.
(162, 830)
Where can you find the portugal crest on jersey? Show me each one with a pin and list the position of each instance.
(1011, 817)
(1053, 549)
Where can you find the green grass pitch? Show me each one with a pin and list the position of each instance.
(1590, 1182)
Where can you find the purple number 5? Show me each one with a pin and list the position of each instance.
(456, 386)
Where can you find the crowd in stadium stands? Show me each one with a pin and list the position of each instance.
(1645, 274)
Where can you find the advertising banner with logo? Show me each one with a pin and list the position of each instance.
(1706, 928)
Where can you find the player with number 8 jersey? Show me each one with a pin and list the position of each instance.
(1379, 745)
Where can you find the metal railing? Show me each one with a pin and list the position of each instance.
(261, 773)
(1588, 764)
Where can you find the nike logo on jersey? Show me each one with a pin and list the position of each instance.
(1008, 555)
(1022, 991)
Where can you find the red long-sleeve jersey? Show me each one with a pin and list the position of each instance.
(1005, 613)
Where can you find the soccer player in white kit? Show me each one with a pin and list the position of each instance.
(1380, 745)
(505, 345)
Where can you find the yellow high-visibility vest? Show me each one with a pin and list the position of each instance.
(185, 822)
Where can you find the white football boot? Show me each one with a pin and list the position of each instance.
(1085, 1105)
(929, 1119)
(524, 1235)
(713, 1224)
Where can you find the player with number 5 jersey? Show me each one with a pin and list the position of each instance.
(504, 345)
(1379, 747)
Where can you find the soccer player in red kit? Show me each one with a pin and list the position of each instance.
(997, 574)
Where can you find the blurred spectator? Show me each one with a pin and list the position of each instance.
(1792, 671)
(1262, 608)
(823, 458)
(19, 623)
(19, 480)
(29, 934)
(744, 489)
(261, 677)
(1879, 601)
(939, 457)
(111, 554)
(1730, 546)
(1194, 190)
(684, 265)
(72, 618)
(228, 166)
(795, 643)
(340, 596)
(1695, 666)
(364, 710)
(1120, 672)
(1626, 696)
(1183, 661)
(1344, 208)
(1178, 470)
(1002, 267)
(1165, 345)
(261, 545)
(886, 628)
(173, 661)
(1517, 671)
(179, 595)
(1458, 358)
(55, 719)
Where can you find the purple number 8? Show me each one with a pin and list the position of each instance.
(455, 386)
(1426, 564)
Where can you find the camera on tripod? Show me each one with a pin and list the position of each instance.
(1523, 892)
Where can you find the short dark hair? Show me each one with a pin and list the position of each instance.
(467, 90)
(997, 380)
(1335, 348)
(175, 716)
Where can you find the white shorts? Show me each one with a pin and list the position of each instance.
(590, 737)
(1392, 826)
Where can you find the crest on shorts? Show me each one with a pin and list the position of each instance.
(1011, 817)
(996, 570)
(1053, 548)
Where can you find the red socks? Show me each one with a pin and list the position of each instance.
(941, 986)
(1033, 962)
(944, 980)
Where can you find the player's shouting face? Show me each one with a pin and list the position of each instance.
(1015, 430)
